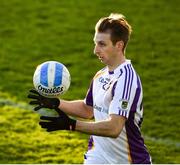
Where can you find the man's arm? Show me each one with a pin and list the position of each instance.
(109, 128)
(76, 108)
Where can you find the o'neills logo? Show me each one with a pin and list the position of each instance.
(50, 91)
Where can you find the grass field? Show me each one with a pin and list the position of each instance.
(32, 32)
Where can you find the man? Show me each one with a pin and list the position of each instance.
(114, 99)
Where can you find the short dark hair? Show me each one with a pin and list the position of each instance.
(117, 26)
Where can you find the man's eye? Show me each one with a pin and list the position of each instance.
(102, 44)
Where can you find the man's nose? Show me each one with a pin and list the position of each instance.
(96, 49)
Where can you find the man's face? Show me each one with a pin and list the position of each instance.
(104, 48)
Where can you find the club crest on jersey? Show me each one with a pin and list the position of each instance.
(124, 104)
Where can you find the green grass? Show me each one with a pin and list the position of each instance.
(32, 32)
(24, 141)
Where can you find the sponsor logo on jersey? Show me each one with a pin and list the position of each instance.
(106, 83)
(104, 80)
(100, 109)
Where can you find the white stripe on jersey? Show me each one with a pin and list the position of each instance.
(128, 81)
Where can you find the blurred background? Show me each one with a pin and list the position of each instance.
(35, 31)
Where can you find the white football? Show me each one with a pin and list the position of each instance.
(51, 79)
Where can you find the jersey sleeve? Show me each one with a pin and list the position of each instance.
(89, 96)
(123, 94)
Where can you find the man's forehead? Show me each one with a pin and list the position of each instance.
(101, 37)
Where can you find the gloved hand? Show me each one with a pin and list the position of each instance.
(41, 101)
(63, 122)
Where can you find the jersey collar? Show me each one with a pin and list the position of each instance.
(116, 71)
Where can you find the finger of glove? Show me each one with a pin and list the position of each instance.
(45, 124)
(31, 96)
(34, 102)
(48, 126)
(48, 118)
(51, 129)
(34, 91)
(39, 107)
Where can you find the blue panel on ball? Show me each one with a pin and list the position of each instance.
(44, 75)
(58, 74)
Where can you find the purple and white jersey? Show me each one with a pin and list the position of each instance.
(119, 92)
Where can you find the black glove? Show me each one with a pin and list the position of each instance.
(41, 101)
(63, 122)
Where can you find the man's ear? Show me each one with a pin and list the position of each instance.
(120, 44)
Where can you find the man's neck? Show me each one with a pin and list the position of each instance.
(116, 63)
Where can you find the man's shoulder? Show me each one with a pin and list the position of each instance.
(100, 72)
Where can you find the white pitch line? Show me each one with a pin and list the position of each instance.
(166, 142)
(8, 102)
